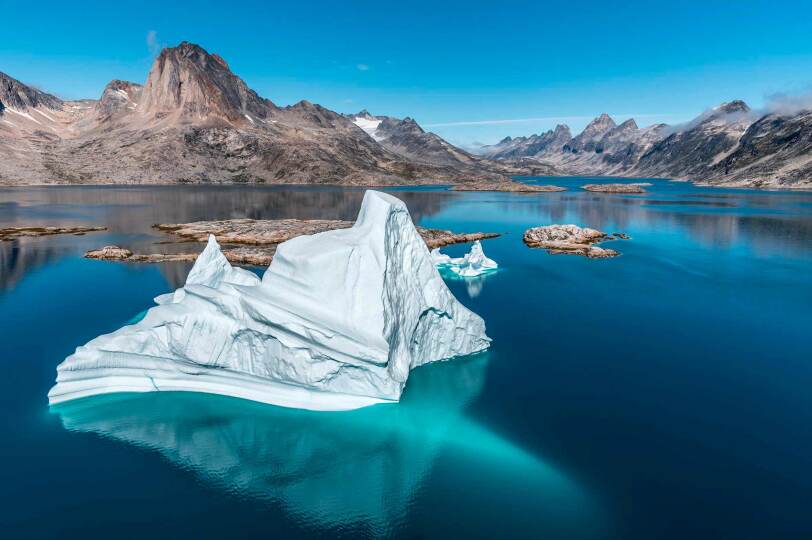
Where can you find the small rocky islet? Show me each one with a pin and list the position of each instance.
(512, 187)
(12, 233)
(572, 240)
(636, 187)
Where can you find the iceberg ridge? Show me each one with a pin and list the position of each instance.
(336, 322)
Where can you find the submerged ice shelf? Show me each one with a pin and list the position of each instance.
(474, 263)
(336, 322)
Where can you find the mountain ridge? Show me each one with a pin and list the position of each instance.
(727, 145)
(195, 121)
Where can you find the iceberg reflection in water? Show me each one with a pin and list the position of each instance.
(349, 469)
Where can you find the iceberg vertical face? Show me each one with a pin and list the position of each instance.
(337, 322)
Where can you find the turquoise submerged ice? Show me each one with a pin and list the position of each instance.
(337, 322)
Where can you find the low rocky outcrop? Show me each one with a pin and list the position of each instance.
(617, 188)
(251, 256)
(571, 240)
(513, 187)
(253, 242)
(11, 233)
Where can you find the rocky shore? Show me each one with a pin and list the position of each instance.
(571, 240)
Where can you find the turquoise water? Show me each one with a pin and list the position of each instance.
(660, 394)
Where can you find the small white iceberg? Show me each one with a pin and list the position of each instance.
(337, 322)
(473, 264)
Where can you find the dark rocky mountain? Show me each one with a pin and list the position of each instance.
(726, 145)
(16, 95)
(775, 151)
(196, 121)
(691, 151)
(407, 139)
(587, 140)
(550, 142)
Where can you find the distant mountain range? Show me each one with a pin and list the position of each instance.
(195, 121)
(728, 145)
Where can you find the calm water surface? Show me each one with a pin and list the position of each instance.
(665, 393)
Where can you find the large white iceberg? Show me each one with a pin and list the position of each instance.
(337, 322)
(474, 263)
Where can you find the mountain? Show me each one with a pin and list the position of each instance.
(407, 139)
(16, 95)
(194, 120)
(603, 147)
(775, 151)
(549, 142)
(727, 145)
(692, 150)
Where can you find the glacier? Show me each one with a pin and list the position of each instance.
(473, 264)
(337, 322)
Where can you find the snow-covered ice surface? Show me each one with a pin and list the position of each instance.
(337, 322)
(474, 263)
(368, 125)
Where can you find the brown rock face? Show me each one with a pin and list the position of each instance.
(189, 81)
(569, 239)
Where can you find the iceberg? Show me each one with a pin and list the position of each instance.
(337, 322)
(473, 264)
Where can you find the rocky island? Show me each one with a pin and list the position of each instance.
(571, 240)
(11, 233)
(513, 186)
(617, 188)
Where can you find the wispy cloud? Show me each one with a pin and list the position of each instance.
(536, 119)
(362, 67)
(786, 103)
(153, 44)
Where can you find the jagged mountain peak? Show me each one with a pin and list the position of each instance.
(562, 130)
(602, 123)
(628, 125)
(734, 106)
(21, 96)
(118, 97)
(188, 80)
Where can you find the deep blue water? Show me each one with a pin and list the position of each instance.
(664, 393)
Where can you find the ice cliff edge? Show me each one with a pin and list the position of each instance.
(337, 322)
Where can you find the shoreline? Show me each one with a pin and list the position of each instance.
(445, 186)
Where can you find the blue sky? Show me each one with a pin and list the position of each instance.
(470, 71)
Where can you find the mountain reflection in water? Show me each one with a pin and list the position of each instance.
(331, 470)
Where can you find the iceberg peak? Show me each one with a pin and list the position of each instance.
(337, 322)
(474, 263)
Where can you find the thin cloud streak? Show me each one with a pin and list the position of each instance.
(537, 119)
(153, 44)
